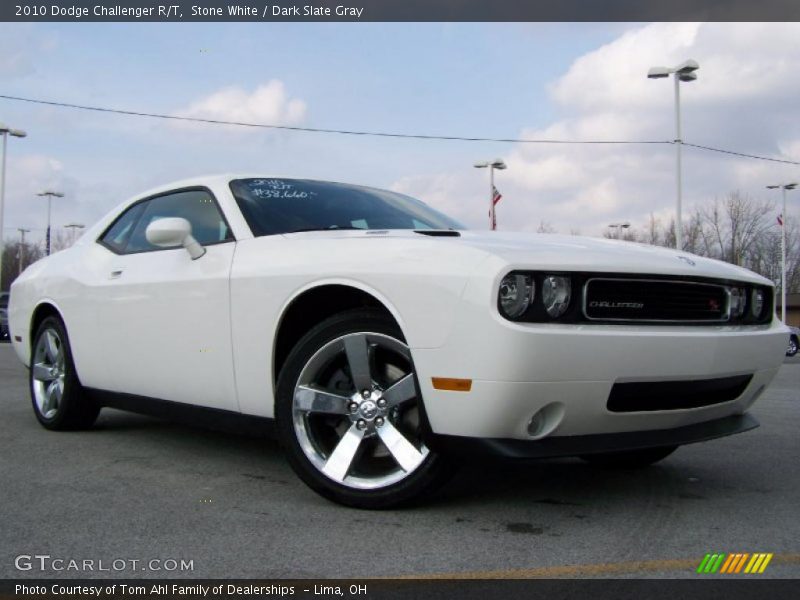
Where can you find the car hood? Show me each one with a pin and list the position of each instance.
(566, 253)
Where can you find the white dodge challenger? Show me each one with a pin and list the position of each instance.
(382, 340)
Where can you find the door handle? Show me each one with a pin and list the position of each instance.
(115, 274)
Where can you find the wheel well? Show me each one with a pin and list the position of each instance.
(41, 312)
(311, 308)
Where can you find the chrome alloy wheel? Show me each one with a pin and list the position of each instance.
(356, 411)
(48, 373)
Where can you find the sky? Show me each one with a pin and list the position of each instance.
(507, 80)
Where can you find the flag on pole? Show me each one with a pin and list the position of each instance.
(780, 219)
(496, 196)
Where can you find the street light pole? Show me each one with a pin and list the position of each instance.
(619, 227)
(5, 131)
(22, 233)
(684, 72)
(50, 195)
(678, 167)
(73, 227)
(497, 163)
(783, 187)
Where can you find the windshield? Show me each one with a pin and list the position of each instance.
(272, 206)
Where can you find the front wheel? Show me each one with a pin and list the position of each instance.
(350, 414)
(792, 349)
(629, 459)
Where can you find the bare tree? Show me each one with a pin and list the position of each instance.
(737, 229)
(734, 225)
(13, 253)
(545, 227)
(60, 240)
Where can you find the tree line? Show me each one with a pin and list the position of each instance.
(737, 229)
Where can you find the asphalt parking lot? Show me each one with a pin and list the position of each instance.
(139, 489)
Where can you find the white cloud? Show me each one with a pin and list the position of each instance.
(27, 175)
(745, 99)
(269, 104)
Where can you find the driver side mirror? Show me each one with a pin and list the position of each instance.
(174, 231)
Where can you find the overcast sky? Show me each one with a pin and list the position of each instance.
(568, 81)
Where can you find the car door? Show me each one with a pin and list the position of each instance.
(163, 318)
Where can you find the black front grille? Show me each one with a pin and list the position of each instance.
(673, 395)
(609, 299)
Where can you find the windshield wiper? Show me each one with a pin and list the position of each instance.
(329, 228)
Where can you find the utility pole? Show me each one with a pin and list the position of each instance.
(49, 194)
(22, 233)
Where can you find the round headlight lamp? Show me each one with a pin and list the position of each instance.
(515, 294)
(738, 301)
(556, 292)
(757, 303)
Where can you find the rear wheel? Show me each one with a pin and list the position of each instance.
(792, 349)
(629, 459)
(56, 392)
(350, 414)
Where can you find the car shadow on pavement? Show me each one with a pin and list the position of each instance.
(566, 482)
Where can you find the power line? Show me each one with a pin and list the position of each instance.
(742, 154)
(320, 130)
(384, 133)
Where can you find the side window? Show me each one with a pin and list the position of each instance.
(196, 206)
(117, 235)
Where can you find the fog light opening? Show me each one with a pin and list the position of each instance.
(546, 420)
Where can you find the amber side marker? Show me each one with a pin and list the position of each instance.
(452, 385)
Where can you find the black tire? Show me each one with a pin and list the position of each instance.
(72, 410)
(293, 423)
(792, 349)
(629, 459)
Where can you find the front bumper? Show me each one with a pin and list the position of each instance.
(578, 445)
(520, 369)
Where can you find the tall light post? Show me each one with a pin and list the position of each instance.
(497, 163)
(783, 187)
(619, 227)
(73, 227)
(5, 131)
(22, 233)
(50, 195)
(683, 72)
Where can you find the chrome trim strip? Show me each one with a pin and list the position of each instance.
(725, 318)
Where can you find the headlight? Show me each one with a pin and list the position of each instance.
(757, 303)
(556, 295)
(738, 301)
(515, 294)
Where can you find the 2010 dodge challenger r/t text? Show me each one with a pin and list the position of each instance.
(383, 339)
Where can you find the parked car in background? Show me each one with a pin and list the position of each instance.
(794, 337)
(383, 340)
(4, 335)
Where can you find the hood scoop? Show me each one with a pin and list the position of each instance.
(438, 232)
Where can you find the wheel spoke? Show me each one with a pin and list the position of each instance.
(403, 451)
(401, 391)
(51, 346)
(319, 401)
(49, 398)
(41, 372)
(338, 463)
(358, 359)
